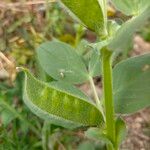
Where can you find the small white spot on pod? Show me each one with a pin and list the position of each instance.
(62, 74)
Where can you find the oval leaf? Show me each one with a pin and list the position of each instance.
(131, 7)
(124, 34)
(61, 62)
(89, 12)
(58, 107)
(132, 84)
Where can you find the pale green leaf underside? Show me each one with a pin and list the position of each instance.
(125, 33)
(58, 107)
(89, 12)
(131, 7)
(132, 84)
(91, 57)
(61, 62)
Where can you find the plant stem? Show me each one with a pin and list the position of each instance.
(98, 103)
(108, 94)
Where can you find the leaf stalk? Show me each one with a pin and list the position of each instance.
(97, 100)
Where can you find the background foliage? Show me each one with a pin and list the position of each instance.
(22, 28)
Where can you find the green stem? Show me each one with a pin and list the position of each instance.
(108, 94)
(98, 103)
